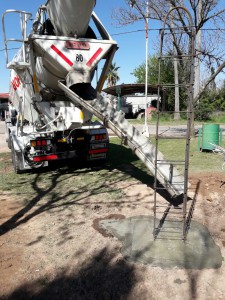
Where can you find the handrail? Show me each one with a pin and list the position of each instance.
(24, 18)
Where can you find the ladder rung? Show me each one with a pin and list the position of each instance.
(175, 221)
(159, 230)
(165, 188)
(173, 85)
(169, 162)
(170, 228)
(171, 137)
(171, 213)
(168, 237)
(175, 56)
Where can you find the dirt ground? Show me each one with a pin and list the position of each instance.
(58, 253)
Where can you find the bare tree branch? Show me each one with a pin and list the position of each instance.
(220, 69)
(210, 15)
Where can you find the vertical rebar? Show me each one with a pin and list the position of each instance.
(190, 86)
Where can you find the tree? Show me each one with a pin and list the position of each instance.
(207, 14)
(167, 76)
(204, 13)
(166, 70)
(211, 100)
(113, 76)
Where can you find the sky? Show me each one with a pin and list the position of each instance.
(131, 52)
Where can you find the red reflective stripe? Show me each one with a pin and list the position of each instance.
(45, 157)
(62, 55)
(98, 151)
(16, 82)
(94, 57)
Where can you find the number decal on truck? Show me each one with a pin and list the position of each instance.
(79, 58)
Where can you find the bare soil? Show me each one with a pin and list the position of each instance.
(57, 253)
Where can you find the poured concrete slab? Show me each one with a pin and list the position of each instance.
(168, 250)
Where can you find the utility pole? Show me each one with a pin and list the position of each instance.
(133, 3)
(198, 52)
(176, 79)
(145, 130)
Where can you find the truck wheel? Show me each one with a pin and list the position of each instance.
(9, 142)
(7, 135)
(16, 157)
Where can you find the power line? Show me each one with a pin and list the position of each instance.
(128, 32)
(9, 49)
(139, 30)
(159, 29)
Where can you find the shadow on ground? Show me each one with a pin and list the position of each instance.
(46, 181)
(100, 278)
(52, 180)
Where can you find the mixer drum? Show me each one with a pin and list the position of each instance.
(70, 17)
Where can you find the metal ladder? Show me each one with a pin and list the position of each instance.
(172, 220)
(24, 18)
(23, 63)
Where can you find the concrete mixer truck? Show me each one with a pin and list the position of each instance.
(52, 98)
(43, 123)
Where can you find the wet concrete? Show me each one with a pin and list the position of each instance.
(168, 250)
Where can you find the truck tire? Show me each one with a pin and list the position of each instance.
(9, 142)
(7, 135)
(16, 158)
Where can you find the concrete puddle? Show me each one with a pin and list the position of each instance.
(198, 252)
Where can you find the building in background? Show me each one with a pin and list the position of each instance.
(4, 107)
(132, 98)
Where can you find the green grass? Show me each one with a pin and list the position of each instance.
(68, 181)
(74, 182)
(174, 149)
(167, 119)
(199, 161)
(218, 118)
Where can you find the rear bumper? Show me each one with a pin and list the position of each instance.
(55, 156)
(92, 154)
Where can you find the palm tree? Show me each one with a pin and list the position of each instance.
(113, 76)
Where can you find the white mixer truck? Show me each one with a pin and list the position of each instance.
(43, 123)
(52, 99)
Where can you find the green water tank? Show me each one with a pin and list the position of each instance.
(209, 133)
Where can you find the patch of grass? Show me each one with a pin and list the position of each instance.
(172, 149)
(167, 118)
(122, 158)
(199, 161)
(73, 183)
(218, 118)
(164, 120)
(68, 181)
